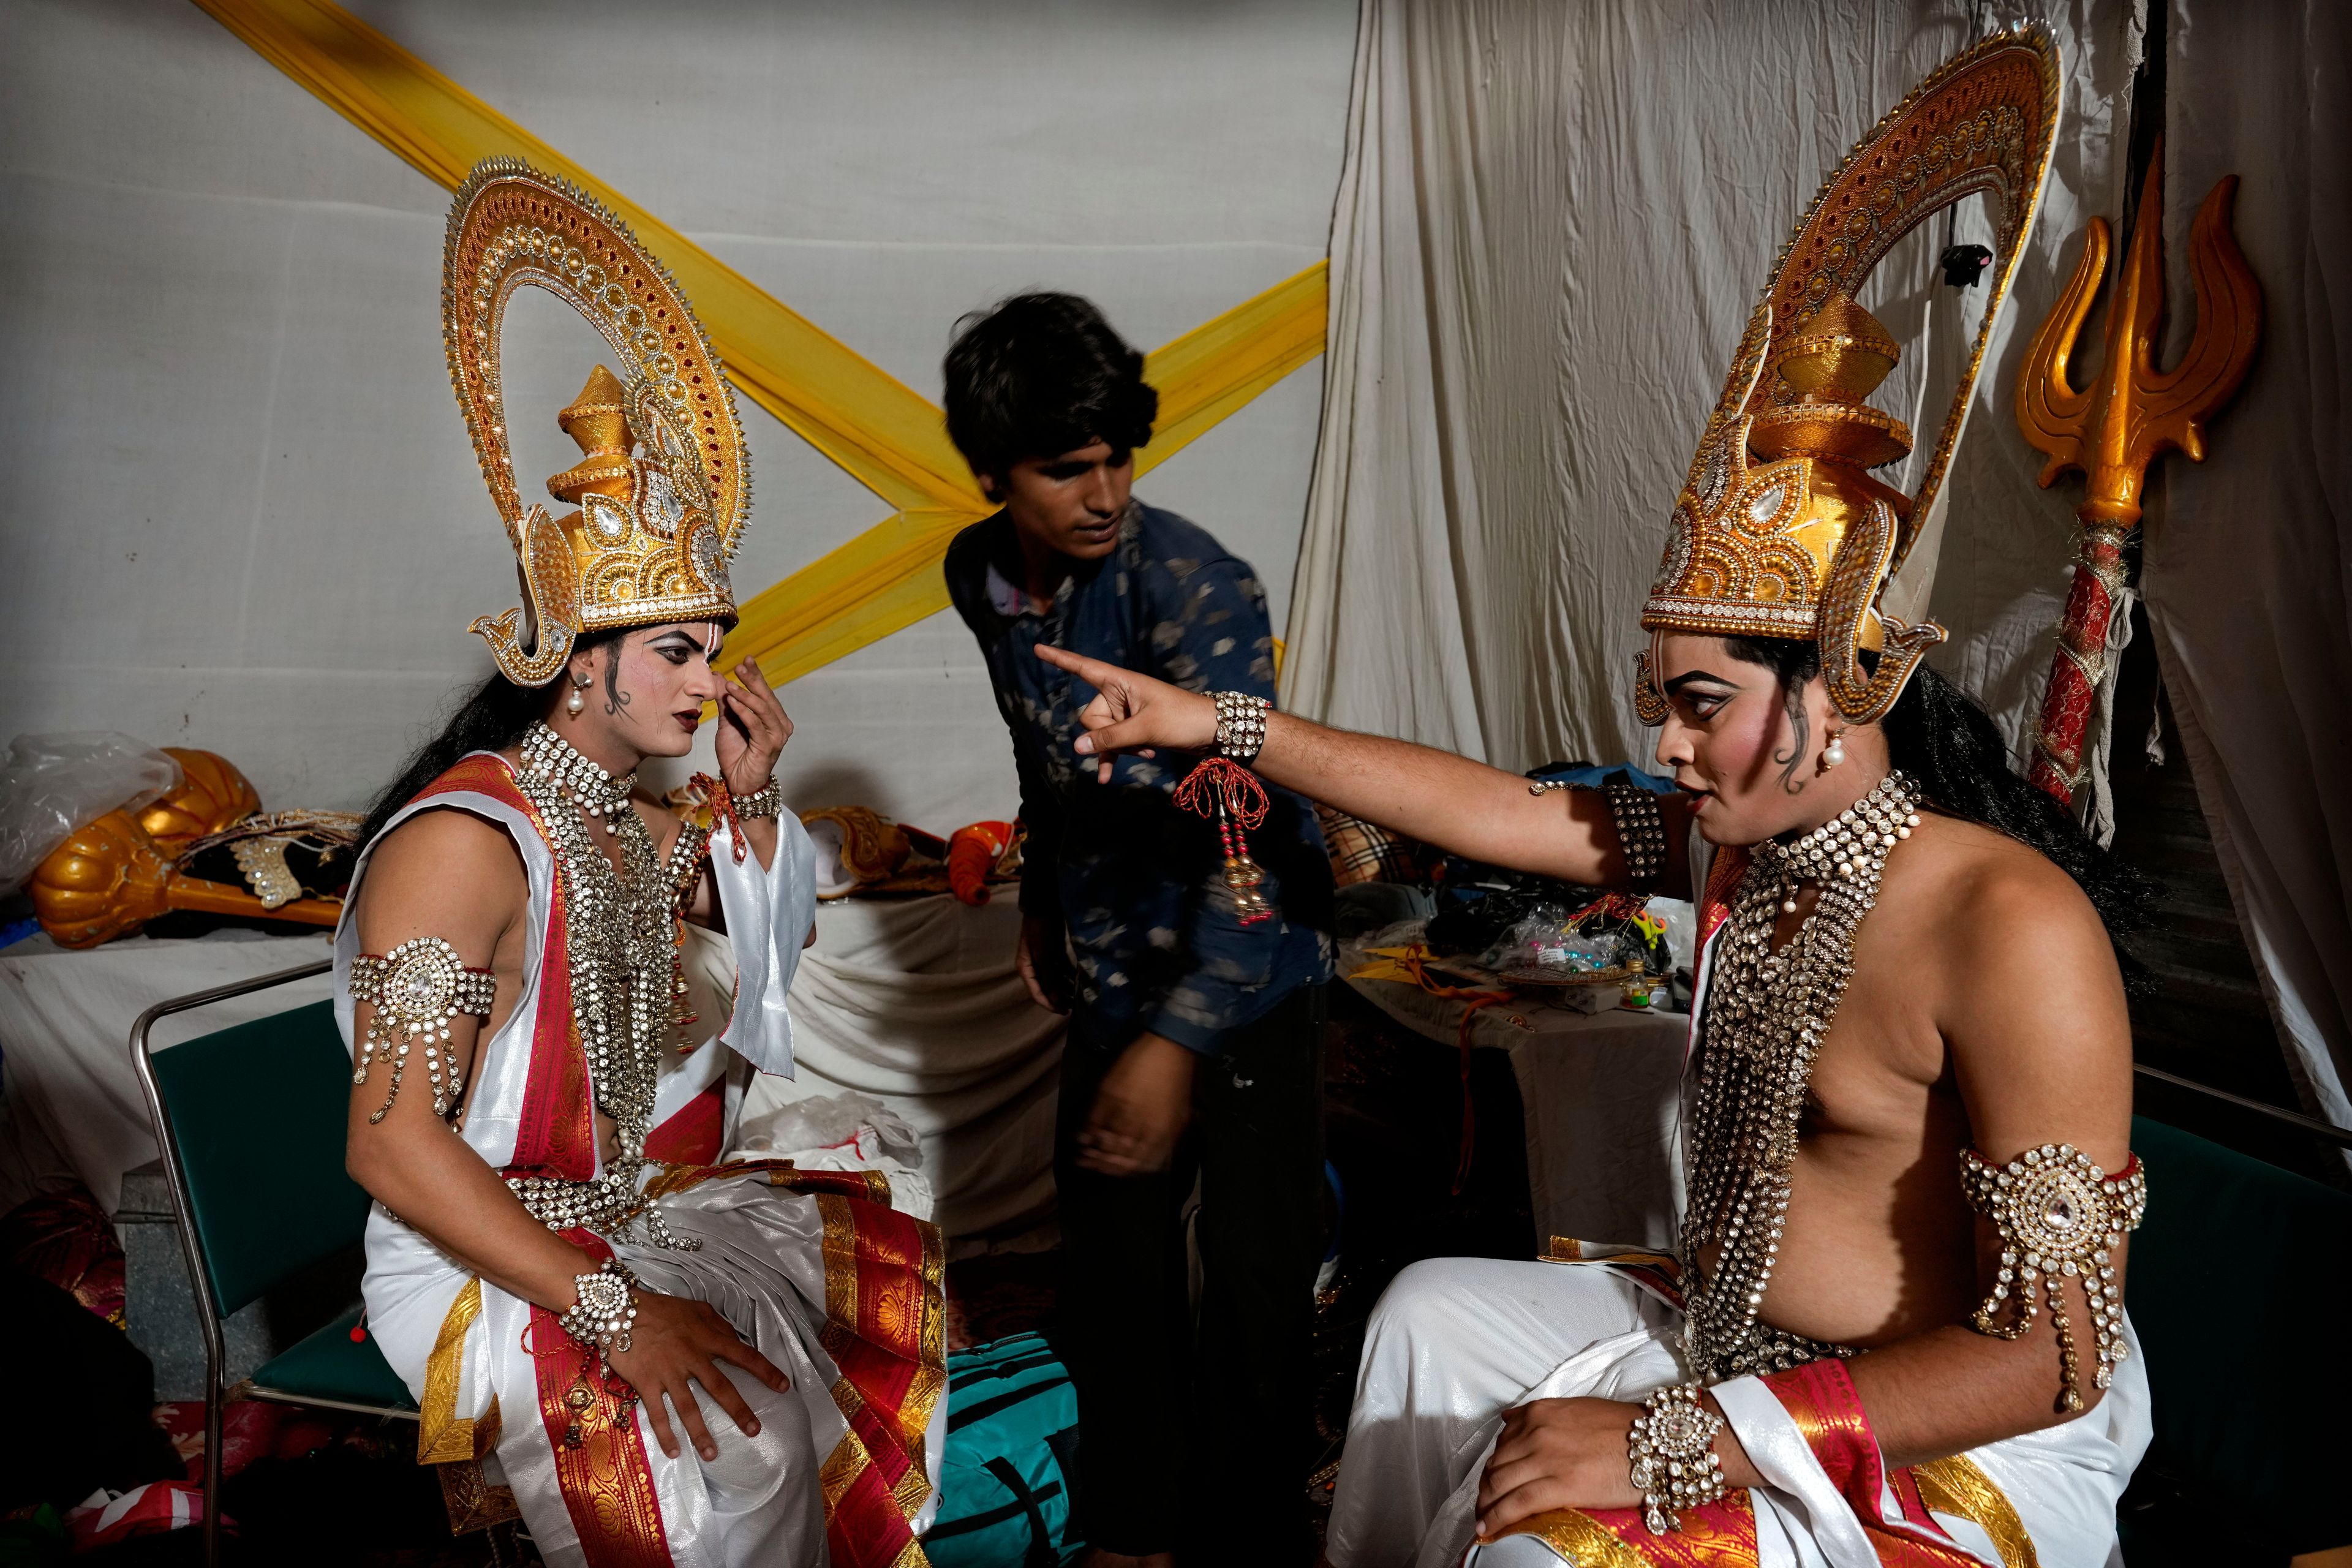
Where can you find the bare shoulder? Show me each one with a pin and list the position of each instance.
(2003, 903)
(443, 872)
(2029, 999)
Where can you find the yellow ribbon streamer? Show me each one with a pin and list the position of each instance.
(887, 437)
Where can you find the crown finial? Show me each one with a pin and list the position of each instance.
(598, 420)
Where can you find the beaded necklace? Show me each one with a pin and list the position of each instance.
(1766, 1015)
(621, 945)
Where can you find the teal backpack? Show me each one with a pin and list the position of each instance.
(1010, 1475)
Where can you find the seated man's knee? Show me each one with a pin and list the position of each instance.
(1421, 1296)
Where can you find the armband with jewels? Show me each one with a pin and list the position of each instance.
(604, 1307)
(416, 989)
(1640, 828)
(2059, 1216)
(1670, 1452)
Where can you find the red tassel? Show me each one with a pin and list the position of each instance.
(721, 801)
(1222, 786)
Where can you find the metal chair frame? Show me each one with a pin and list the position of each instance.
(208, 1315)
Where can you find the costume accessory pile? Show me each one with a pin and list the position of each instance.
(1781, 530)
(663, 487)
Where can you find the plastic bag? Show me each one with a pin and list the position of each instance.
(52, 784)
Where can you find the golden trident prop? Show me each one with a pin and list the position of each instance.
(2129, 416)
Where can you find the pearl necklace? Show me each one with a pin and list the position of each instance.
(562, 764)
(621, 948)
(1766, 1015)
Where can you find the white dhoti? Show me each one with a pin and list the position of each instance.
(1455, 1342)
(813, 1268)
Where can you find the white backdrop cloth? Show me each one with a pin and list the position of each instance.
(2248, 580)
(73, 1101)
(1552, 223)
(244, 512)
(916, 1003)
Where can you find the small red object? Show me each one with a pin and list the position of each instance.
(973, 851)
(359, 1330)
(1221, 786)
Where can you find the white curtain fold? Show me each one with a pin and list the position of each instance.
(2245, 570)
(1552, 223)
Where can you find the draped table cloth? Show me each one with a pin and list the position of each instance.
(1602, 1097)
(912, 1001)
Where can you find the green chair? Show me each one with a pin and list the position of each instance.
(250, 1121)
(2238, 1281)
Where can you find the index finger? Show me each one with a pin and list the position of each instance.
(1093, 671)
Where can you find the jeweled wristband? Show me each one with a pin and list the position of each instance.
(767, 800)
(604, 1309)
(1671, 1458)
(1241, 725)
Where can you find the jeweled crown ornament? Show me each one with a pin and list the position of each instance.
(1781, 530)
(664, 485)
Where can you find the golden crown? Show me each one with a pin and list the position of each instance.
(1780, 530)
(655, 527)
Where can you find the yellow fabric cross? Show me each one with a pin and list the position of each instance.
(888, 438)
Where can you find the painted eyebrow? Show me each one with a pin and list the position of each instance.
(1674, 686)
(682, 636)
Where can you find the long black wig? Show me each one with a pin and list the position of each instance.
(1954, 751)
(494, 715)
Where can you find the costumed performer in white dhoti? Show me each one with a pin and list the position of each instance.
(663, 1359)
(1893, 1331)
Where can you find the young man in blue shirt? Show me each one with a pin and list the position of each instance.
(1193, 1045)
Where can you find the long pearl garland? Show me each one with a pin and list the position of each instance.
(620, 944)
(1766, 1015)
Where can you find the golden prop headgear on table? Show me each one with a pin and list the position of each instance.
(656, 528)
(1780, 530)
(111, 876)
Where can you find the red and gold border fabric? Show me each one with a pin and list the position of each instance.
(1820, 1399)
(1720, 1535)
(694, 1133)
(886, 1330)
(600, 1462)
(557, 1134)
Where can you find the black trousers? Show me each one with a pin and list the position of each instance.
(1200, 1443)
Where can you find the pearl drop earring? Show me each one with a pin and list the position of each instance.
(1834, 752)
(578, 701)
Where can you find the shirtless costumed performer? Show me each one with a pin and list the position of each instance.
(664, 1358)
(1893, 1332)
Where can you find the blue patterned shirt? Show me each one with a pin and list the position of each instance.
(1137, 881)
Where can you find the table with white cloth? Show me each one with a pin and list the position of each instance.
(74, 1107)
(1602, 1092)
(914, 1002)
